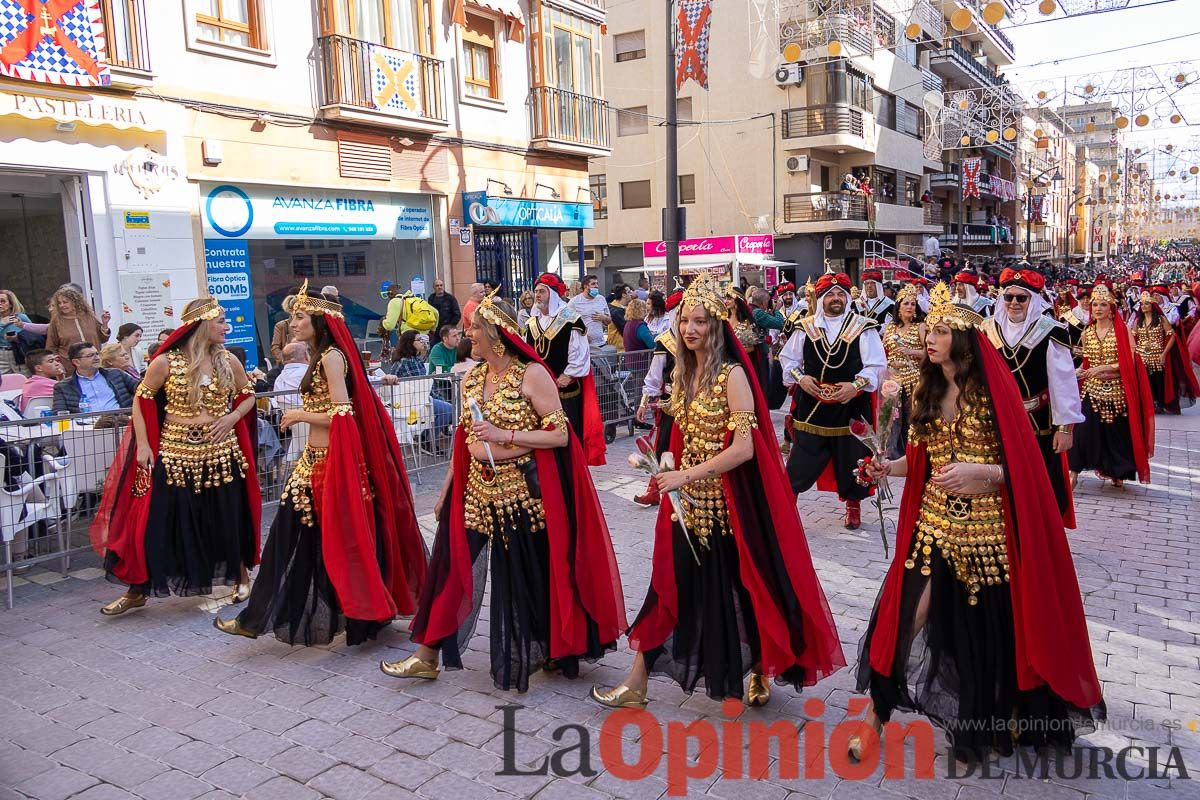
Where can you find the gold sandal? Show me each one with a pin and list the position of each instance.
(758, 692)
(241, 593)
(232, 627)
(411, 667)
(620, 697)
(122, 604)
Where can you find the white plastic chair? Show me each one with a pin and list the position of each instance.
(19, 509)
(33, 408)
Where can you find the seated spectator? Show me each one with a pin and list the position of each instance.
(637, 332)
(114, 356)
(408, 357)
(463, 363)
(102, 389)
(129, 336)
(47, 370)
(441, 356)
(291, 373)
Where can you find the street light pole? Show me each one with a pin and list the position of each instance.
(670, 222)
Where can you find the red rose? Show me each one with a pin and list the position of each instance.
(858, 427)
(644, 445)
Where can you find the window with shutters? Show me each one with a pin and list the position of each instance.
(635, 194)
(598, 184)
(632, 121)
(233, 22)
(479, 57)
(629, 46)
(403, 24)
(364, 156)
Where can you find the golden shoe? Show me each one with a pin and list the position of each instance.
(122, 604)
(620, 697)
(758, 692)
(241, 593)
(232, 627)
(411, 667)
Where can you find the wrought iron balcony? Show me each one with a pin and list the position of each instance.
(824, 207)
(412, 84)
(562, 120)
(958, 63)
(821, 121)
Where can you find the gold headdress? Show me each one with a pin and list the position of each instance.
(1102, 294)
(497, 315)
(207, 310)
(315, 305)
(943, 310)
(908, 292)
(1146, 297)
(734, 291)
(704, 291)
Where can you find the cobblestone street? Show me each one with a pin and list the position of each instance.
(157, 704)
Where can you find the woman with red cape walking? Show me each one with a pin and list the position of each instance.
(732, 586)
(979, 624)
(180, 510)
(519, 486)
(344, 552)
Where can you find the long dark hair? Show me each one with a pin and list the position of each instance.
(1156, 316)
(932, 386)
(322, 341)
(406, 346)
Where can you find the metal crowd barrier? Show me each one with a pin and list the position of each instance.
(52, 469)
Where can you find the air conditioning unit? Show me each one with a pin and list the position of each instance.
(789, 74)
(795, 164)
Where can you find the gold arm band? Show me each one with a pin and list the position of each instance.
(144, 391)
(554, 420)
(341, 409)
(742, 422)
(247, 389)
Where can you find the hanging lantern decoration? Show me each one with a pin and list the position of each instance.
(963, 104)
(1010, 134)
(960, 20)
(965, 141)
(792, 52)
(992, 137)
(1103, 178)
(835, 48)
(1038, 133)
(1176, 119)
(1047, 7)
(1141, 120)
(1122, 122)
(994, 12)
(912, 31)
(1194, 170)
(1170, 147)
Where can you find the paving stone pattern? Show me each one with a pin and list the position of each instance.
(157, 704)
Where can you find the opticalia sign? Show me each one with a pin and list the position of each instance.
(507, 212)
(246, 211)
(725, 248)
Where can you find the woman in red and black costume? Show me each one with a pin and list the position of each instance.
(1116, 437)
(518, 483)
(734, 592)
(1172, 381)
(344, 552)
(979, 624)
(753, 338)
(181, 506)
(656, 391)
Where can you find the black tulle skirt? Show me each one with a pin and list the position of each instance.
(195, 540)
(898, 440)
(959, 670)
(715, 639)
(1106, 447)
(292, 596)
(1158, 384)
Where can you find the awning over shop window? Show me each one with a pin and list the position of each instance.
(506, 9)
(83, 109)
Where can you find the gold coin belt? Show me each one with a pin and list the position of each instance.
(189, 459)
(1151, 342)
(906, 370)
(298, 488)
(497, 501)
(1107, 394)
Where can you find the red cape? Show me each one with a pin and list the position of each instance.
(1052, 645)
(364, 499)
(584, 581)
(762, 515)
(1179, 379)
(593, 423)
(120, 523)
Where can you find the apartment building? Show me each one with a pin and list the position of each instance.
(1099, 208)
(1046, 159)
(764, 150)
(242, 146)
(968, 61)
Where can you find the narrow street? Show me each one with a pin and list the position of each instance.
(204, 715)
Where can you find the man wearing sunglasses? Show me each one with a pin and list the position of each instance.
(1038, 351)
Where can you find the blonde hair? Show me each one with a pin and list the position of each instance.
(687, 363)
(82, 307)
(14, 305)
(636, 309)
(198, 348)
(527, 295)
(108, 354)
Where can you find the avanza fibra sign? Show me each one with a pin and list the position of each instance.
(508, 212)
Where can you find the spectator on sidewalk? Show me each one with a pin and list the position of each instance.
(290, 375)
(46, 370)
(72, 321)
(524, 309)
(446, 304)
(442, 355)
(477, 294)
(114, 356)
(637, 335)
(103, 389)
(282, 334)
(15, 327)
(129, 336)
(593, 308)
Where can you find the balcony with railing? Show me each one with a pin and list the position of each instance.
(826, 207)
(933, 213)
(931, 82)
(956, 63)
(973, 235)
(827, 127)
(411, 94)
(127, 42)
(931, 19)
(568, 122)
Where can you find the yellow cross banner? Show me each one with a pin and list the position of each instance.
(395, 81)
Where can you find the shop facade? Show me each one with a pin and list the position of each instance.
(93, 192)
(262, 241)
(741, 259)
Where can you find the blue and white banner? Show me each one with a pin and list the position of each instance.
(508, 212)
(227, 262)
(248, 211)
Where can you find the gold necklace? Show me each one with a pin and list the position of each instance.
(495, 377)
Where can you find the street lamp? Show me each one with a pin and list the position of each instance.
(1056, 178)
